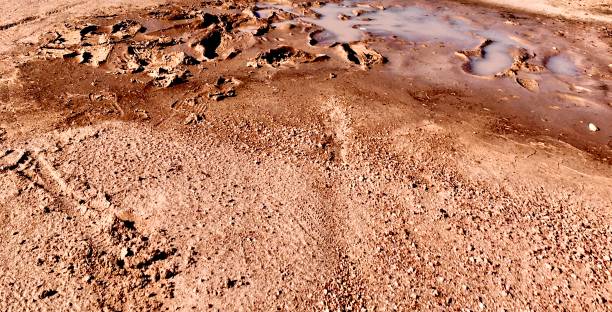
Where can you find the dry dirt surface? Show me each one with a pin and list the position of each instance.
(198, 156)
(586, 10)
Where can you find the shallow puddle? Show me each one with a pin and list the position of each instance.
(417, 24)
(337, 29)
(496, 59)
(561, 65)
(348, 22)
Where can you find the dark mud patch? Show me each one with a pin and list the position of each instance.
(287, 55)
(362, 55)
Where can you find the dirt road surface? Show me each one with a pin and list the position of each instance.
(190, 156)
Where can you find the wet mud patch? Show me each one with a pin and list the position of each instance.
(168, 59)
(285, 55)
(495, 59)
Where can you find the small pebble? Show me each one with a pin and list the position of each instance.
(593, 127)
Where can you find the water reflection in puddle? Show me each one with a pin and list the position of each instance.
(561, 65)
(496, 59)
(417, 24)
(337, 29)
(347, 22)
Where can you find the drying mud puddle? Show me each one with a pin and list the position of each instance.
(538, 72)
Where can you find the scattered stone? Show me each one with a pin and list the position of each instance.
(141, 113)
(87, 278)
(47, 293)
(193, 118)
(12, 158)
(164, 79)
(220, 95)
(125, 252)
(529, 84)
(593, 127)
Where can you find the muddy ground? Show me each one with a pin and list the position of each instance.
(205, 156)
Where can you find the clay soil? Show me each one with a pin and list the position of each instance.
(190, 156)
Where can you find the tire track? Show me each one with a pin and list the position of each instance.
(30, 19)
(19, 22)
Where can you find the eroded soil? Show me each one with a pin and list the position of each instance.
(233, 155)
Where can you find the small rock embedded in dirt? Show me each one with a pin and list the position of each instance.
(193, 118)
(165, 79)
(47, 293)
(220, 95)
(11, 159)
(125, 252)
(529, 84)
(359, 12)
(225, 88)
(593, 127)
(87, 278)
(141, 113)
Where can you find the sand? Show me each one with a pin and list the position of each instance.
(585, 10)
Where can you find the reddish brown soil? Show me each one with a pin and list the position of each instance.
(302, 182)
